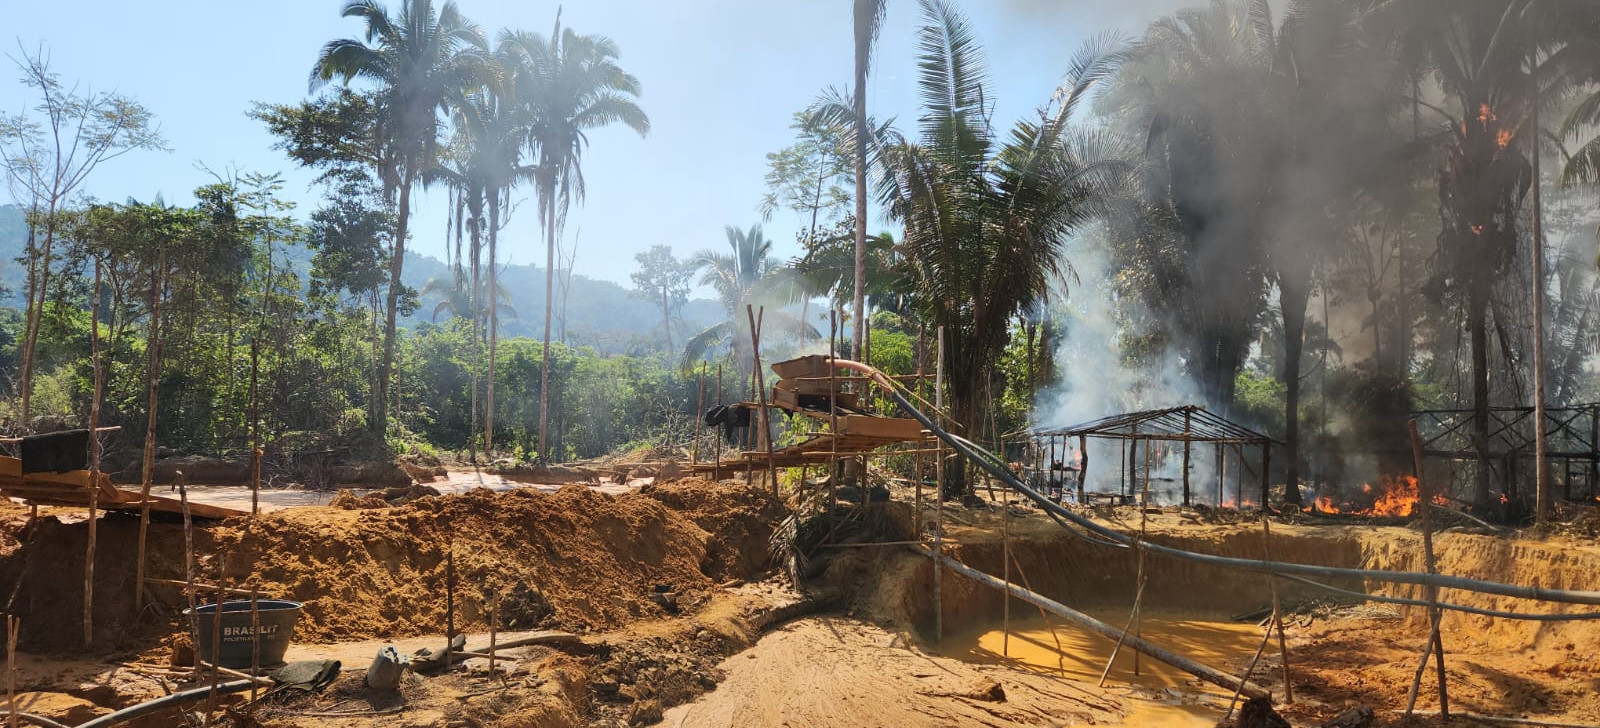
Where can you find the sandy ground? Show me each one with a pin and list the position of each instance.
(845, 672)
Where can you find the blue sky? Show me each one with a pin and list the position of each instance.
(721, 79)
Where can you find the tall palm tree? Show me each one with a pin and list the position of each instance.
(746, 275)
(414, 60)
(868, 17)
(496, 123)
(985, 220)
(573, 86)
(1485, 56)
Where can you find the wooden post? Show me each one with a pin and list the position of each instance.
(255, 430)
(938, 502)
(1083, 468)
(761, 390)
(94, 459)
(1005, 551)
(157, 286)
(255, 639)
(1266, 470)
(216, 641)
(449, 600)
(699, 415)
(1277, 608)
(1222, 473)
(833, 406)
(13, 631)
(188, 548)
(1435, 643)
(1188, 430)
(717, 469)
(494, 623)
(1131, 469)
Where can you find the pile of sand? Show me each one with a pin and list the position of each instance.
(575, 559)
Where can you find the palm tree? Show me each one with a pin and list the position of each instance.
(496, 123)
(985, 221)
(1486, 57)
(572, 86)
(747, 275)
(868, 17)
(415, 60)
(1280, 120)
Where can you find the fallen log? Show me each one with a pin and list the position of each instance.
(1204, 672)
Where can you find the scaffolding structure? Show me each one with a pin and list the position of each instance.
(1187, 426)
(1572, 436)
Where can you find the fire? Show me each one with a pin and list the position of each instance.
(1486, 115)
(1502, 138)
(1477, 229)
(1398, 497)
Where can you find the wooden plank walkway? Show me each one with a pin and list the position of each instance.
(72, 488)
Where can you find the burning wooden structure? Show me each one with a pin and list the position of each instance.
(1188, 426)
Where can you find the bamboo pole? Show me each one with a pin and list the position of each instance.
(938, 501)
(920, 464)
(1204, 672)
(94, 460)
(1435, 642)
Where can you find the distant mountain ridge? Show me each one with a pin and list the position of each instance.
(600, 313)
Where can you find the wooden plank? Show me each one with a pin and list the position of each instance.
(891, 428)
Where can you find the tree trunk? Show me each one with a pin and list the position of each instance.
(475, 201)
(1477, 329)
(549, 298)
(397, 263)
(666, 317)
(858, 325)
(30, 338)
(1294, 291)
(494, 322)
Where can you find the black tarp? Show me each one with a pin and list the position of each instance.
(55, 452)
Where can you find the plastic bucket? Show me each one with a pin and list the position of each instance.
(275, 617)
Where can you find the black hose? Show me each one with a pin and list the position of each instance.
(968, 451)
(151, 706)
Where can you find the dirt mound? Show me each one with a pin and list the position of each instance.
(584, 559)
(740, 520)
(576, 558)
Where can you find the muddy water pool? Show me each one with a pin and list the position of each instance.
(1159, 696)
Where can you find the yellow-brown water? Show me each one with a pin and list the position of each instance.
(1160, 696)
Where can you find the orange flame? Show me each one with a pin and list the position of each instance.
(1397, 497)
(1486, 115)
(1502, 138)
